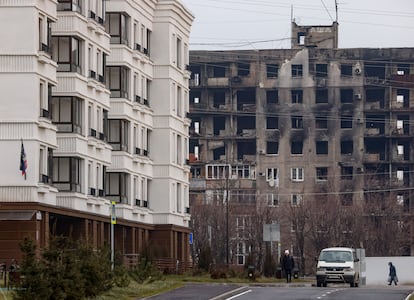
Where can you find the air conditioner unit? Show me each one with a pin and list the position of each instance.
(358, 71)
(262, 174)
(358, 96)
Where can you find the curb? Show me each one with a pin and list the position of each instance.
(230, 293)
(408, 297)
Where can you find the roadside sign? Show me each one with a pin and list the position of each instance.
(190, 238)
(113, 213)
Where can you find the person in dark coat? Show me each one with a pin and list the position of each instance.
(392, 276)
(287, 266)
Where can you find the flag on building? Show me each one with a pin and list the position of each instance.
(23, 161)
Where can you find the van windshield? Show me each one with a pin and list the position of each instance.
(336, 256)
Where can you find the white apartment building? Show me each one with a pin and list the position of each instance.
(97, 93)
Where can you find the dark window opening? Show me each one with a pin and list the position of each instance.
(321, 122)
(118, 134)
(301, 38)
(246, 148)
(272, 97)
(116, 187)
(375, 69)
(195, 97)
(117, 81)
(347, 96)
(296, 147)
(195, 78)
(272, 123)
(246, 100)
(375, 122)
(272, 147)
(375, 98)
(219, 153)
(321, 96)
(297, 122)
(219, 98)
(67, 174)
(272, 70)
(219, 71)
(346, 121)
(321, 70)
(297, 96)
(117, 26)
(219, 123)
(243, 69)
(321, 147)
(67, 52)
(245, 123)
(403, 98)
(374, 146)
(321, 173)
(346, 173)
(347, 147)
(67, 114)
(346, 70)
(403, 69)
(297, 70)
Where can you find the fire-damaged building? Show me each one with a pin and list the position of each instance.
(303, 138)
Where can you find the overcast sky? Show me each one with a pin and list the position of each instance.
(265, 24)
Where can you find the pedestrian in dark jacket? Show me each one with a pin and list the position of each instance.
(392, 276)
(287, 266)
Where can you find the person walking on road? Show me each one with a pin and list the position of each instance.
(392, 276)
(287, 266)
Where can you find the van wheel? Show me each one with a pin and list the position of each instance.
(325, 284)
(318, 284)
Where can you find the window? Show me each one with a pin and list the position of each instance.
(45, 97)
(321, 122)
(118, 81)
(272, 174)
(400, 175)
(297, 122)
(321, 96)
(321, 147)
(346, 70)
(272, 97)
(346, 121)
(219, 171)
(296, 174)
(403, 69)
(116, 187)
(67, 114)
(272, 147)
(243, 69)
(272, 123)
(301, 38)
(321, 70)
(296, 147)
(70, 5)
(321, 173)
(117, 26)
(347, 147)
(272, 199)
(272, 70)
(118, 134)
(296, 199)
(67, 174)
(347, 96)
(67, 53)
(219, 71)
(179, 53)
(346, 172)
(45, 164)
(297, 96)
(297, 70)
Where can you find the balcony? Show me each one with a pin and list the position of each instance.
(372, 131)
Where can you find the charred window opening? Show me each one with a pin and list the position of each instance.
(346, 70)
(375, 98)
(321, 147)
(297, 96)
(219, 153)
(194, 150)
(403, 125)
(195, 97)
(403, 98)
(301, 38)
(375, 69)
(347, 96)
(321, 70)
(321, 122)
(246, 148)
(246, 100)
(272, 97)
(346, 121)
(195, 126)
(272, 123)
(347, 147)
(296, 147)
(346, 172)
(346, 199)
(403, 200)
(243, 69)
(272, 147)
(219, 99)
(321, 96)
(272, 70)
(195, 172)
(219, 123)
(217, 70)
(403, 150)
(403, 69)
(376, 122)
(297, 70)
(376, 147)
(297, 122)
(321, 173)
(245, 124)
(195, 75)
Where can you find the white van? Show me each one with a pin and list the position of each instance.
(338, 265)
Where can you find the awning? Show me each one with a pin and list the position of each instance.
(16, 215)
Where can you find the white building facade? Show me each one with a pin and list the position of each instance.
(97, 94)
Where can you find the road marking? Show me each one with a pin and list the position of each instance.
(238, 295)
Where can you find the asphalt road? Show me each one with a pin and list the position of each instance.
(234, 292)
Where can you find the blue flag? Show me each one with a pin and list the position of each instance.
(23, 161)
